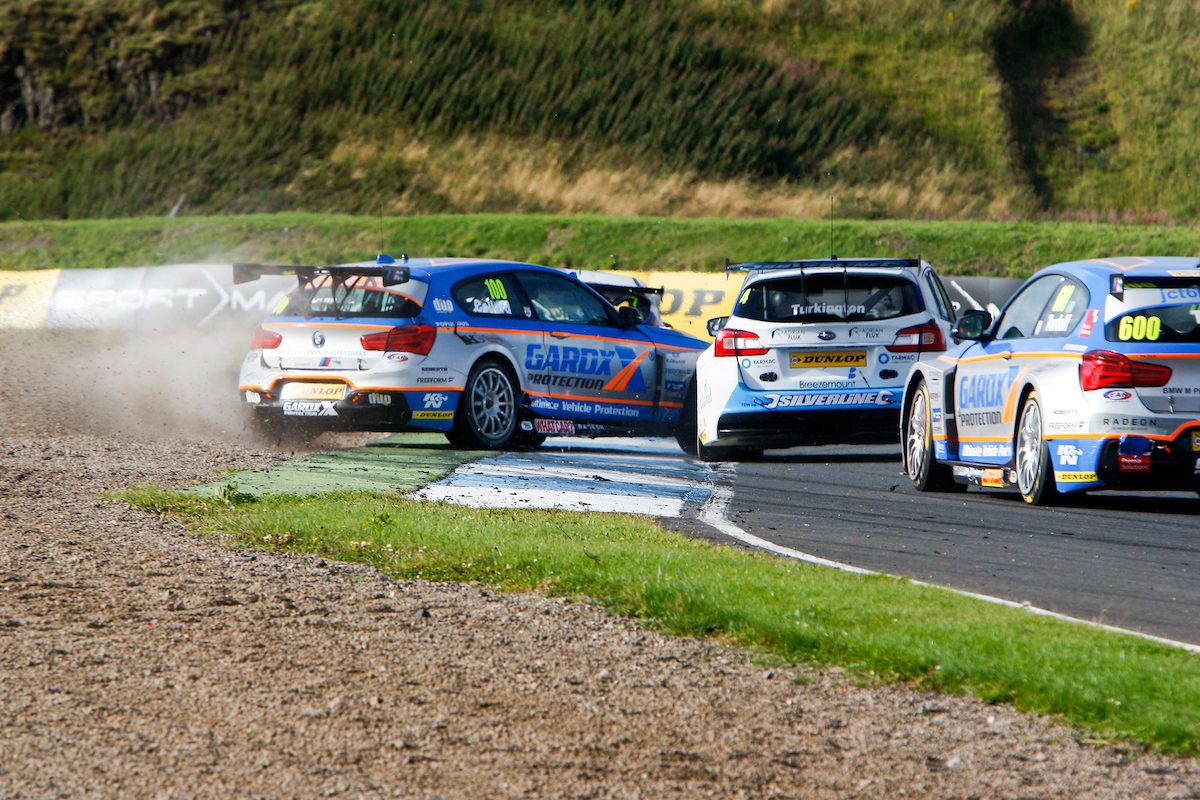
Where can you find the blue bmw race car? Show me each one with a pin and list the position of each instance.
(491, 353)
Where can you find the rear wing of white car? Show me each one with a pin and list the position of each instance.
(865, 263)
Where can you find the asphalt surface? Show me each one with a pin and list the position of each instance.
(1131, 560)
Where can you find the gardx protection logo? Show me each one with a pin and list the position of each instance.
(578, 362)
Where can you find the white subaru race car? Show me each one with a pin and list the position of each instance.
(816, 352)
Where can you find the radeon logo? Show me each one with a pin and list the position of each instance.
(826, 336)
(318, 339)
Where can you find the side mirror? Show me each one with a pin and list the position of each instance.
(715, 324)
(972, 325)
(630, 318)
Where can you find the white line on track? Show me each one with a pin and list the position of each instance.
(490, 497)
(556, 472)
(713, 511)
(637, 476)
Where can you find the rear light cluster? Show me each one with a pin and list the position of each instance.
(925, 338)
(264, 339)
(1102, 369)
(738, 343)
(407, 339)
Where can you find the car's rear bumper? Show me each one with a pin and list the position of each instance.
(351, 413)
(794, 428)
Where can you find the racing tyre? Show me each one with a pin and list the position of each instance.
(488, 418)
(1035, 478)
(685, 434)
(919, 462)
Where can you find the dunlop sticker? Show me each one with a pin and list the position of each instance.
(808, 359)
(433, 415)
(313, 391)
(1076, 477)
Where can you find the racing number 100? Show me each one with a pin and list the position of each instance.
(1139, 328)
(495, 289)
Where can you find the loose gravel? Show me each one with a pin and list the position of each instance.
(139, 660)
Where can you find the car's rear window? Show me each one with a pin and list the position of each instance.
(357, 301)
(830, 297)
(1166, 310)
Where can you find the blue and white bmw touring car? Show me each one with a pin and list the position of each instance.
(1089, 379)
(816, 352)
(491, 353)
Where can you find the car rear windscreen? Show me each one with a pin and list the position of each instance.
(359, 301)
(830, 297)
(1159, 310)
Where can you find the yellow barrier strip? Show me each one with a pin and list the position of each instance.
(25, 297)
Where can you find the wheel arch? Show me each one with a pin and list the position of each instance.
(1027, 388)
(915, 376)
(505, 360)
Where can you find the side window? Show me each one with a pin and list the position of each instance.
(1021, 317)
(945, 307)
(939, 304)
(1064, 312)
(488, 296)
(558, 299)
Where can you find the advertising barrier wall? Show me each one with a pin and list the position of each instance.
(137, 298)
(200, 296)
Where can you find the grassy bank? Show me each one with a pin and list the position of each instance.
(955, 110)
(1112, 685)
(592, 242)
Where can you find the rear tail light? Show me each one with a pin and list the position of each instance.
(407, 339)
(1101, 369)
(738, 343)
(925, 338)
(264, 339)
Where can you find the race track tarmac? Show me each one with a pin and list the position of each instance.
(1130, 560)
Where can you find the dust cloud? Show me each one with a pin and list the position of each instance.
(141, 385)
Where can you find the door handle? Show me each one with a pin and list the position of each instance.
(1006, 355)
(560, 335)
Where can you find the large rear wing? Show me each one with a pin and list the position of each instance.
(244, 273)
(869, 263)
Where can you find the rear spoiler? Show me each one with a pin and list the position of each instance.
(610, 287)
(243, 273)
(870, 263)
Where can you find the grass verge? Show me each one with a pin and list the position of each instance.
(591, 242)
(1117, 687)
